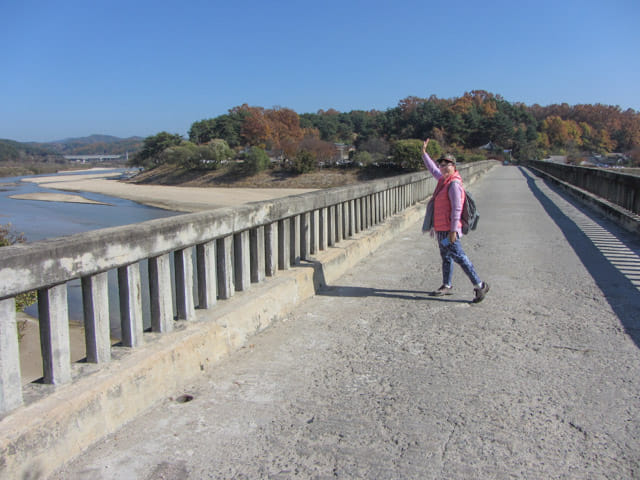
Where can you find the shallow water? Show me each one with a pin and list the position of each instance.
(39, 220)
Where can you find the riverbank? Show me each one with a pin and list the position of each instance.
(176, 198)
(194, 191)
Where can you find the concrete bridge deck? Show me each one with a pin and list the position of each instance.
(374, 378)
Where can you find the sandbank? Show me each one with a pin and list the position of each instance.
(56, 197)
(181, 199)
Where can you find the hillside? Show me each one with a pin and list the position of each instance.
(272, 178)
(96, 145)
(12, 151)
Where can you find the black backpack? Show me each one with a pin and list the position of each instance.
(470, 215)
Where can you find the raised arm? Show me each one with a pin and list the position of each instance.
(430, 164)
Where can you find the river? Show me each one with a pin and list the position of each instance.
(38, 220)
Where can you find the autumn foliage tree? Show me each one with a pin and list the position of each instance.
(461, 124)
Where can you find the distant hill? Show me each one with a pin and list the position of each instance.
(12, 151)
(96, 145)
(90, 139)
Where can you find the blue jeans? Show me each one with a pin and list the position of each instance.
(454, 253)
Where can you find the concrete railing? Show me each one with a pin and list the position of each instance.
(232, 248)
(618, 188)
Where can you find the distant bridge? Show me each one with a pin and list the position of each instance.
(94, 158)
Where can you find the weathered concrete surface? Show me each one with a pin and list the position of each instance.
(38, 437)
(376, 379)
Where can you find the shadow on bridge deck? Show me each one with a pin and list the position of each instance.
(613, 263)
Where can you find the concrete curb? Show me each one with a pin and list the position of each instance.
(41, 436)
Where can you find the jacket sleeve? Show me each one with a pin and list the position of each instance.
(431, 166)
(455, 197)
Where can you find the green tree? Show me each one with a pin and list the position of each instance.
(407, 153)
(191, 156)
(363, 158)
(227, 127)
(215, 152)
(180, 155)
(152, 147)
(434, 149)
(303, 162)
(257, 160)
(377, 147)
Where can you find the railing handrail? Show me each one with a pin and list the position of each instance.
(88, 253)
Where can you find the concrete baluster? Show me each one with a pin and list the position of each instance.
(183, 262)
(366, 213)
(344, 209)
(95, 304)
(130, 294)
(383, 201)
(314, 232)
(358, 215)
(323, 228)
(385, 204)
(206, 272)
(331, 226)
(295, 242)
(271, 248)
(160, 297)
(396, 208)
(224, 263)
(257, 248)
(10, 380)
(53, 317)
(284, 242)
(339, 224)
(242, 262)
(305, 235)
(375, 207)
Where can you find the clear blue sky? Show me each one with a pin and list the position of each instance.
(72, 68)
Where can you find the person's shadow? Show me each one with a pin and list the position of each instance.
(322, 289)
(621, 294)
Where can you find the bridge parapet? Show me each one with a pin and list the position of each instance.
(618, 188)
(613, 194)
(234, 247)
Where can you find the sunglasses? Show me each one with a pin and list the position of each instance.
(445, 163)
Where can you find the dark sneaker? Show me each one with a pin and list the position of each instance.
(481, 292)
(443, 290)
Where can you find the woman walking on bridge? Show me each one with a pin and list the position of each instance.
(447, 210)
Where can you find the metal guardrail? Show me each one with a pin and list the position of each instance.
(233, 247)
